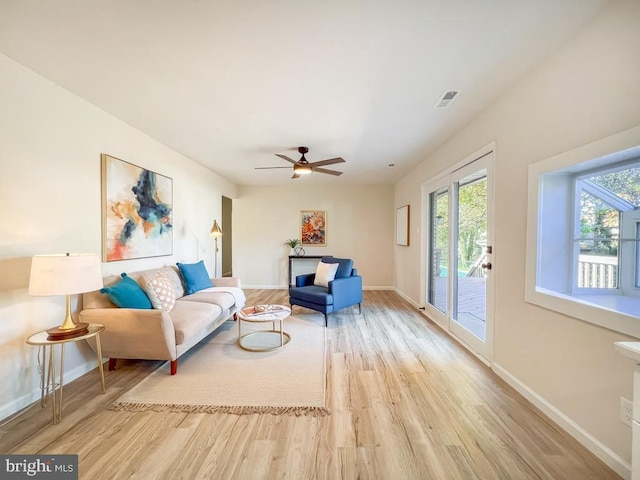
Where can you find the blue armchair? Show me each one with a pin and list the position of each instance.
(345, 290)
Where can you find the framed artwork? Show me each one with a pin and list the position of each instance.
(136, 211)
(402, 225)
(313, 228)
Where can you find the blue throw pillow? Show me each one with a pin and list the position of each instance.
(195, 276)
(127, 294)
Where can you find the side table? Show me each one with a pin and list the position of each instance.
(264, 314)
(48, 365)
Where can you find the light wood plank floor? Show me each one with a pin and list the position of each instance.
(407, 403)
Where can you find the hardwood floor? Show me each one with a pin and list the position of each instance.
(407, 403)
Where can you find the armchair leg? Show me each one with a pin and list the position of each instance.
(112, 364)
(326, 320)
(359, 309)
(174, 366)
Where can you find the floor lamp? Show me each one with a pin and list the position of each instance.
(216, 232)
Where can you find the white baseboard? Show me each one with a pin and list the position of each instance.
(403, 295)
(34, 396)
(604, 453)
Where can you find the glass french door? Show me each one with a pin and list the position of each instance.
(459, 283)
(438, 295)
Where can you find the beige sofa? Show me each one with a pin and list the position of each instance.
(156, 334)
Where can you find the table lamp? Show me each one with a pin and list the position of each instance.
(216, 232)
(65, 275)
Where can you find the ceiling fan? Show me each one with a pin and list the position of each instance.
(304, 167)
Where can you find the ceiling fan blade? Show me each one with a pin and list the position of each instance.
(326, 170)
(330, 161)
(284, 157)
(267, 168)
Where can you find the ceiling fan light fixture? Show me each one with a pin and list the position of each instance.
(304, 167)
(301, 169)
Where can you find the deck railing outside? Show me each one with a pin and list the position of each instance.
(597, 271)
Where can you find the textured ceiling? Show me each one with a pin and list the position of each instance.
(229, 83)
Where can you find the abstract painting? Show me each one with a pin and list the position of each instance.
(313, 228)
(136, 211)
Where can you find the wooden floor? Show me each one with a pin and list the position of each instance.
(407, 403)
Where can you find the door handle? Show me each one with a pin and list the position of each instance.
(487, 266)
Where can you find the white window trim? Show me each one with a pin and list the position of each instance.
(619, 146)
(628, 226)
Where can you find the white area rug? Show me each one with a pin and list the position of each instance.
(218, 376)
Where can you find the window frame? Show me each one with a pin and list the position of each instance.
(613, 311)
(580, 185)
(630, 276)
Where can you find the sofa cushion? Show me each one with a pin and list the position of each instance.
(127, 294)
(191, 318)
(160, 291)
(313, 294)
(226, 297)
(195, 276)
(325, 273)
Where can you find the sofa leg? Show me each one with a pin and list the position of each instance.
(174, 366)
(112, 364)
(359, 309)
(326, 320)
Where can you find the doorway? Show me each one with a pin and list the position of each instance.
(227, 237)
(459, 284)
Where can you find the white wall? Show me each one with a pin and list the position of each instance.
(360, 225)
(586, 91)
(50, 149)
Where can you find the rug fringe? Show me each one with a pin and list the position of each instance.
(233, 410)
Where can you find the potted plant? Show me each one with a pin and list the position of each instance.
(295, 245)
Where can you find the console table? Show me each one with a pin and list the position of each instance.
(302, 257)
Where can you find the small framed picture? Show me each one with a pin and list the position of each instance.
(402, 225)
(313, 228)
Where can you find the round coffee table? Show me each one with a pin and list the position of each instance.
(264, 340)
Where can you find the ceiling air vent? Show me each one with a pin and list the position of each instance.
(446, 99)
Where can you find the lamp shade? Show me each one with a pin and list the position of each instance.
(216, 231)
(64, 274)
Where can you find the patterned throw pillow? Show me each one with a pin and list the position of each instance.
(161, 292)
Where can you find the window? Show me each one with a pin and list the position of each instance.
(606, 198)
(583, 245)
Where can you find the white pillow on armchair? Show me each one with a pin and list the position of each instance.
(325, 273)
